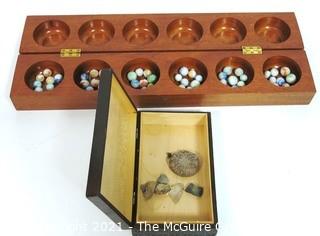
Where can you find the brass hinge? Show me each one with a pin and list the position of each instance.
(70, 52)
(251, 50)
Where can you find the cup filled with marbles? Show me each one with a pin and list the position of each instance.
(141, 73)
(44, 76)
(234, 72)
(188, 73)
(281, 71)
(281, 76)
(87, 74)
(90, 79)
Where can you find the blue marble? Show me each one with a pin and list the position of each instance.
(58, 78)
(199, 78)
(280, 81)
(135, 83)
(185, 82)
(222, 75)
(184, 71)
(84, 76)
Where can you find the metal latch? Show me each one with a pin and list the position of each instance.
(70, 52)
(251, 50)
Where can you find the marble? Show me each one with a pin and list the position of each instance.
(232, 80)
(185, 82)
(38, 89)
(280, 81)
(224, 81)
(291, 79)
(40, 77)
(194, 84)
(222, 75)
(135, 83)
(143, 83)
(132, 76)
(94, 73)
(285, 71)
(49, 86)
(84, 83)
(238, 72)
(152, 78)
(84, 76)
(184, 71)
(58, 78)
(37, 83)
(182, 86)
(199, 78)
(178, 77)
(227, 70)
(274, 72)
(89, 88)
(50, 80)
(192, 73)
(47, 72)
(267, 74)
(146, 73)
(273, 79)
(95, 83)
(139, 72)
(243, 77)
(241, 83)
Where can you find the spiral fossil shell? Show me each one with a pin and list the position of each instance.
(183, 163)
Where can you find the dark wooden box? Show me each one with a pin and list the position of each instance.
(163, 43)
(129, 148)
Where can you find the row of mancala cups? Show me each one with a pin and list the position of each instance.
(160, 32)
(165, 90)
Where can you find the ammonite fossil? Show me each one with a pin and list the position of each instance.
(183, 163)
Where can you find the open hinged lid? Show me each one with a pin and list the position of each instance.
(111, 174)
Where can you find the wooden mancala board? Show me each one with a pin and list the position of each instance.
(71, 45)
(130, 149)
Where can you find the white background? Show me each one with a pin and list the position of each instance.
(266, 157)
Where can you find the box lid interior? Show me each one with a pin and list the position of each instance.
(111, 173)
